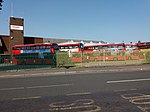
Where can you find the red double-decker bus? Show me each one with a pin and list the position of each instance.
(143, 45)
(131, 47)
(34, 53)
(71, 46)
(35, 48)
(88, 47)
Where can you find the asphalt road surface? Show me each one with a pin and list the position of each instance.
(90, 92)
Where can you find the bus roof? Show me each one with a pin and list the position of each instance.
(69, 43)
(102, 44)
(37, 44)
(143, 44)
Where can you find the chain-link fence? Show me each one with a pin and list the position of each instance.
(69, 59)
(147, 56)
(110, 58)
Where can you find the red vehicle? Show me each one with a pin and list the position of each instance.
(138, 46)
(131, 46)
(71, 46)
(35, 48)
(88, 47)
(143, 45)
(34, 53)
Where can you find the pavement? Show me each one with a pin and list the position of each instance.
(72, 70)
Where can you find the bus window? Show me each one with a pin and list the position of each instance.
(16, 48)
(28, 47)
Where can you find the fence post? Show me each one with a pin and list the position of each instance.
(82, 58)
(104, 57)
(124, 53)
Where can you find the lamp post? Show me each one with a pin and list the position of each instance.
(10, 48)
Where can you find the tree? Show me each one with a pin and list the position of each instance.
(1, 4)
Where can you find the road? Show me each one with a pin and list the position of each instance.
(90, 92)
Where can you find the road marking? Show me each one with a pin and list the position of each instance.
(123, 90)
(49, 86)
(86, 108)
(7, 89)
(27, 98)
(78, 94)
(34, 87)
(84, 105)
(144, 109)
(142, 101)
(133, 80)
(132, 95)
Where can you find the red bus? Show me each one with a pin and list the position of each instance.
(143, 45)
(35, 48)
(33, 53)
(138, 46)
(71, 46)
(131, 46)
(88, 47)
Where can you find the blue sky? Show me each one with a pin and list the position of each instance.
(107, 20)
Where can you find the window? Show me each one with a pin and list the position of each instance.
(32, 47)
(48, 47)
(16, 48)
(37, 47)
(70, 47)
(27, 47)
